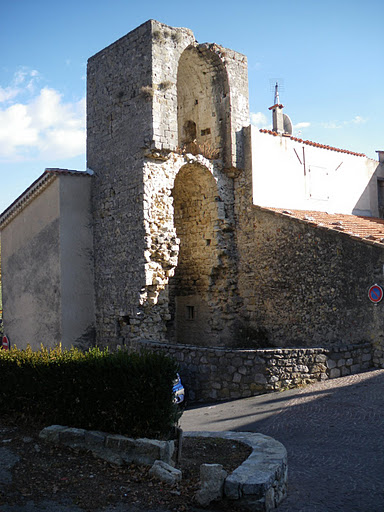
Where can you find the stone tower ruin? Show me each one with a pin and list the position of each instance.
(165, 140)
(196, 234)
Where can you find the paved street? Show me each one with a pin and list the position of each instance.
(334, 434)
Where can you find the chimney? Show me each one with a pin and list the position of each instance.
(381, 156)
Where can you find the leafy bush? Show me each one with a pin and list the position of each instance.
(116, 392)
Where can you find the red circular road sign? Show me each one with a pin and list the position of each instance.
(375, 293)
(5, 343)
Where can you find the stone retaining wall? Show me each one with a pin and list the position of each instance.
(378, 355)
(221, 374)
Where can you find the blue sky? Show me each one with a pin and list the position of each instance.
(327, 55)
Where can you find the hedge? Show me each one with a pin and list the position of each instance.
(129, 394)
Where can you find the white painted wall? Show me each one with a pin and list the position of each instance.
(290, 174)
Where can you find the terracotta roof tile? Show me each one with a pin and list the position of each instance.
(365, 228)
(315, 144)
(57, 171)
(276, 105)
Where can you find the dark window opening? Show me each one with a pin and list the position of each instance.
(190, 312)
(189, 131)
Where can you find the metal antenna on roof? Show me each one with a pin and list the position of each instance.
(277, 99)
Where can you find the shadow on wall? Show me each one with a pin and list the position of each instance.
(371, 201)
(199, 292)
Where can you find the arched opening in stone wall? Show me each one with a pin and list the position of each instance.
(203, 103)
(193, 289)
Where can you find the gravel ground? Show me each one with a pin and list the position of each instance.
(37, 476)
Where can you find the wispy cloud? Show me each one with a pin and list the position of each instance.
(334, 125)
(42, 127)
(24, 80)
(299, 126)
(331, 125)
(358, 120)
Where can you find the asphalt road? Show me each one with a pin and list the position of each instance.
(334, 435)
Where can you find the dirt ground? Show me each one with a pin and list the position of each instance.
(62, 474)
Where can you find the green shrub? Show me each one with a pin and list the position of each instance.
(115, 392)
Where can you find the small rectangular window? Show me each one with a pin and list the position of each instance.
(190, 312)
(207, 131)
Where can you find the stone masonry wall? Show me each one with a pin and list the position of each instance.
(133, 149)
(221, 374)
(310, 284)
(302, 284)
(116, 76)
(155, 315)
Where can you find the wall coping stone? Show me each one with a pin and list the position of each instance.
(260, 482)
(277, 350)
(114, 448)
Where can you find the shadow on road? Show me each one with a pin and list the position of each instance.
(334, 435)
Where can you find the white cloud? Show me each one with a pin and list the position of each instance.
(331, 125)
(45, 127)
(259, 119)
(358, 120)
(16, 129)
(299, 126)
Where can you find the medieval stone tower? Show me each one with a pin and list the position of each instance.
(194, 233)
(166, 117)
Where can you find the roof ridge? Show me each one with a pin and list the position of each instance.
(34, 189)
(314, 144)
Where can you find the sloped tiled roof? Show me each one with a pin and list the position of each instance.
(367, 229)
(314, 144)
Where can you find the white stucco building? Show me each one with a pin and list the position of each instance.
(292, 173)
